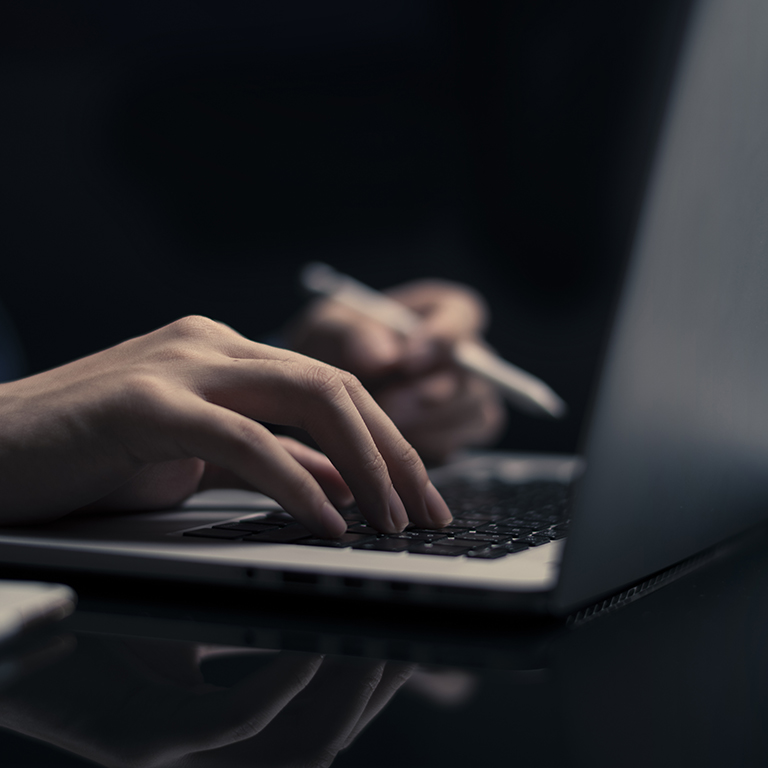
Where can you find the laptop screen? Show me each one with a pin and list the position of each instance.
(678, 442)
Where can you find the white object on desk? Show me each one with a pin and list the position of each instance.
(25, 604)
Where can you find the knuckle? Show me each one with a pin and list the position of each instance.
(324, 380)
(187, 339)
(373, 464)
(408, 457)
(195, 327)
(350, 381)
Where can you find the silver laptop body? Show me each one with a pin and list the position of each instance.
(677, 444)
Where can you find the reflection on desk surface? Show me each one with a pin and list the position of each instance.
(679, 678)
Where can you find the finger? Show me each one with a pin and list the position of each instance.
(370, 349)
(315, 462)
(339, 423)
(445, 397)
(449, 312)
(236, 714)
(336, 334)
(410, 402)
(384, 473)
(248, 449)
(382, 470)
(424, 504)
(322, 469)
(437, 445)
(439, 440)
(445, 413)
(393, 677)
(316, 724)
(342, 689)
(445, 386)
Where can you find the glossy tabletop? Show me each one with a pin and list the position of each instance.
(177, 675)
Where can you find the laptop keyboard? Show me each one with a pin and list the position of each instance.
(491, 520)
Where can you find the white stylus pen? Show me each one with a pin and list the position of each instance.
(521, 388)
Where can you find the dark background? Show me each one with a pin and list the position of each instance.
(162, 159)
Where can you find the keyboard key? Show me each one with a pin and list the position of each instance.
(515, 525)
(431, 531)
(345, 540)
(277, 517)
(456, 542)
(555, 534)
(248, 527)
(363, 528)
(287, 535)
(426, 548)
(385, 545)
(514, 546)
(419, 536)
(456, 528)
(488, 553)
(511, 531)
(477, 518)
(215, 533)
(514, 522)
(490, 522)
(481, 536)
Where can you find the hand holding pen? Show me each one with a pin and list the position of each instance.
(417, 349)
(521, 388)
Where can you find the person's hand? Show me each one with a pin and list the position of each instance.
(132, 427)
(131, 702)
(436, 405)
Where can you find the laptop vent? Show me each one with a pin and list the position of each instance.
(621, 599)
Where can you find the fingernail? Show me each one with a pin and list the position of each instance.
(437, 508)
(333, 523)
(397, 514)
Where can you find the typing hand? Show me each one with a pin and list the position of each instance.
(133, 427)
(146, 703)
(437, 406)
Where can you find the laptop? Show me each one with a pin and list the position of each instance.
(675, 454)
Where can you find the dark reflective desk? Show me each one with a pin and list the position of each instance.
(171, 677)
